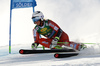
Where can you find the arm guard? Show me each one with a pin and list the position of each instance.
(36, 36)
(59, 33)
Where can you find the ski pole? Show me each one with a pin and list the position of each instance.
(57, 42)
(67, 43)
(82, 43)
(91, 43)
(43, 47)
(63, 42)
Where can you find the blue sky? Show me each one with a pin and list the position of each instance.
(78, 18)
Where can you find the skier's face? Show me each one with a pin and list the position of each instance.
(38, 23)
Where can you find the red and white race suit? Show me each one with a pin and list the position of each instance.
(50, 30)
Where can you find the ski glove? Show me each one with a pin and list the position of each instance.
(55, 40)
(34, 45)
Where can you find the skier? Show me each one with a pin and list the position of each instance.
(52, 32)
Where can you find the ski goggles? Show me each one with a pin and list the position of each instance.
(35, 19)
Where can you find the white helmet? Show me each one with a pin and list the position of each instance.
(38, 15)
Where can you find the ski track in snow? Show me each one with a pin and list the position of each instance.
(86, 57)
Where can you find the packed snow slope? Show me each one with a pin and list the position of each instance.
(86, 57)
(80, 19)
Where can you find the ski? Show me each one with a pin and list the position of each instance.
(63, 55)
(59, 53)
(28, 51)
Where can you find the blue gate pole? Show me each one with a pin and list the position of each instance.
(10, 27)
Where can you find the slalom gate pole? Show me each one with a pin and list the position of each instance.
(10, 28)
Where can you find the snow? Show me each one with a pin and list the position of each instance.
(80, 19)
(87, 57)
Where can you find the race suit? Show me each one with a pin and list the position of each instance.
(50, 30)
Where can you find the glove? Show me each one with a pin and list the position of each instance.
(34, 45)
(55, 40)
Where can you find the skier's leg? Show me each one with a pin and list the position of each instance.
(45, 42)
(74, 45)
(77, 46)
(64, 38)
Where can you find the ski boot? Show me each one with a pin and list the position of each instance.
(34, 46)
(82, 46)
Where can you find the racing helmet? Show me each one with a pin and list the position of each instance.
(38, 15)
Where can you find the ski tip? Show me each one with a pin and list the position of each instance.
(21, 51)
(56, 55)
(65, 55)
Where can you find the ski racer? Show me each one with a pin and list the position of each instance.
(52, 32)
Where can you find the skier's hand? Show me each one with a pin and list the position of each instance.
(55, 40)
(34, 45)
